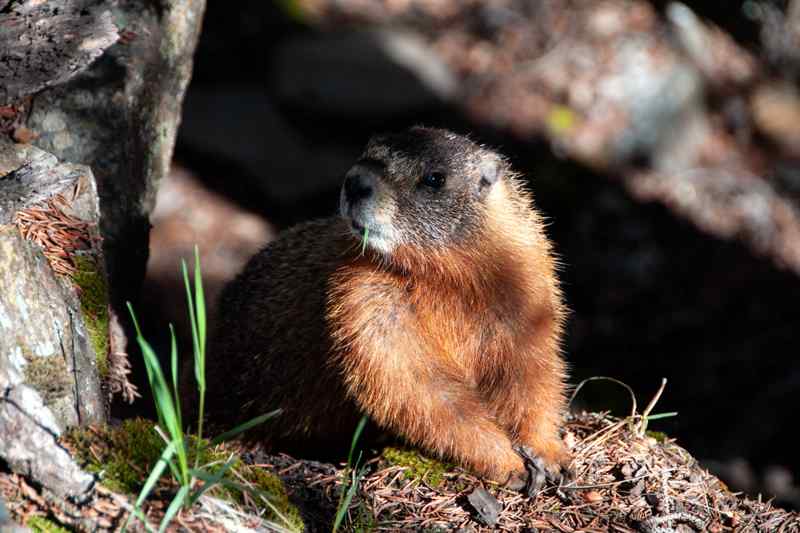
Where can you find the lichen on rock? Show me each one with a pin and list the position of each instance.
(48, 375)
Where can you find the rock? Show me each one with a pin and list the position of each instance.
(120, 118)
(53, 318)
(29, 444)
(6, 524)
(51, 334)
(486, 505)
(47, 43)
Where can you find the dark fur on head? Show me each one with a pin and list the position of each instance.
(404, 210)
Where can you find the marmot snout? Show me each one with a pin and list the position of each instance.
(445, 330)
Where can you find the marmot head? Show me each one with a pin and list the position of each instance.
(422, 188)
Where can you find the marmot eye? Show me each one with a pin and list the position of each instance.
(434, 180)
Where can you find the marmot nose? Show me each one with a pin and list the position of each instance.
(356, 188)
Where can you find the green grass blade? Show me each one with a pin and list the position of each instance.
(200, 355)
(174, 507)
(210, 480)
(156, 380)
(168, 416)
(133, 317)
(174, 362)
(662, 415)
(258, 492)
(142, 518)
(155, 474)
(192, 318)
(344, 504)
(244, 427)
(622, 384)
(347, 497)
(200, 310)
(356, 435)
(364, 241)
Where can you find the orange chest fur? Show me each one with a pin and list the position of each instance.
(405, 324)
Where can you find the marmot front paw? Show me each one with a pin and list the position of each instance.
(537, 472)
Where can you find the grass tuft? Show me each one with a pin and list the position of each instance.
(178, 449)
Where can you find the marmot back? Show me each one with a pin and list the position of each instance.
(444, 328)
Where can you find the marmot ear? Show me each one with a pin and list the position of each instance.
(491, 170)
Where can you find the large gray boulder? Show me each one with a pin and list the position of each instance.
(118, 114)
(98, 84)
(53, 313)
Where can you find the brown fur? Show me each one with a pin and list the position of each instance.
(452, 346)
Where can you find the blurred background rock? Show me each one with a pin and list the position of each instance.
(661, 140)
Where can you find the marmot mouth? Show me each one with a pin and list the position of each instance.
(359, 229)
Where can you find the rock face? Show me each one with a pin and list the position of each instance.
(114, 111)
(120, 117)
(47, 43)
(29, 443)
(53, 313)
(51, 336)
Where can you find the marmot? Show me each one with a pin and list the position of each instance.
(443, 327)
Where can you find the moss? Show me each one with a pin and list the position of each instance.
(276, 491)
(40, 524)
(660, 436)
(261, 480)
(49, 376)
(124, 454)
(93, 295)
(417, 465)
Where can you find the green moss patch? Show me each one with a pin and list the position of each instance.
(93, 295)
(660, 436)
(40, 524)
(417, 466)
(274, 489)
(123, 457)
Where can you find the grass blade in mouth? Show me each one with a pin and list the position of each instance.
(364, 241)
